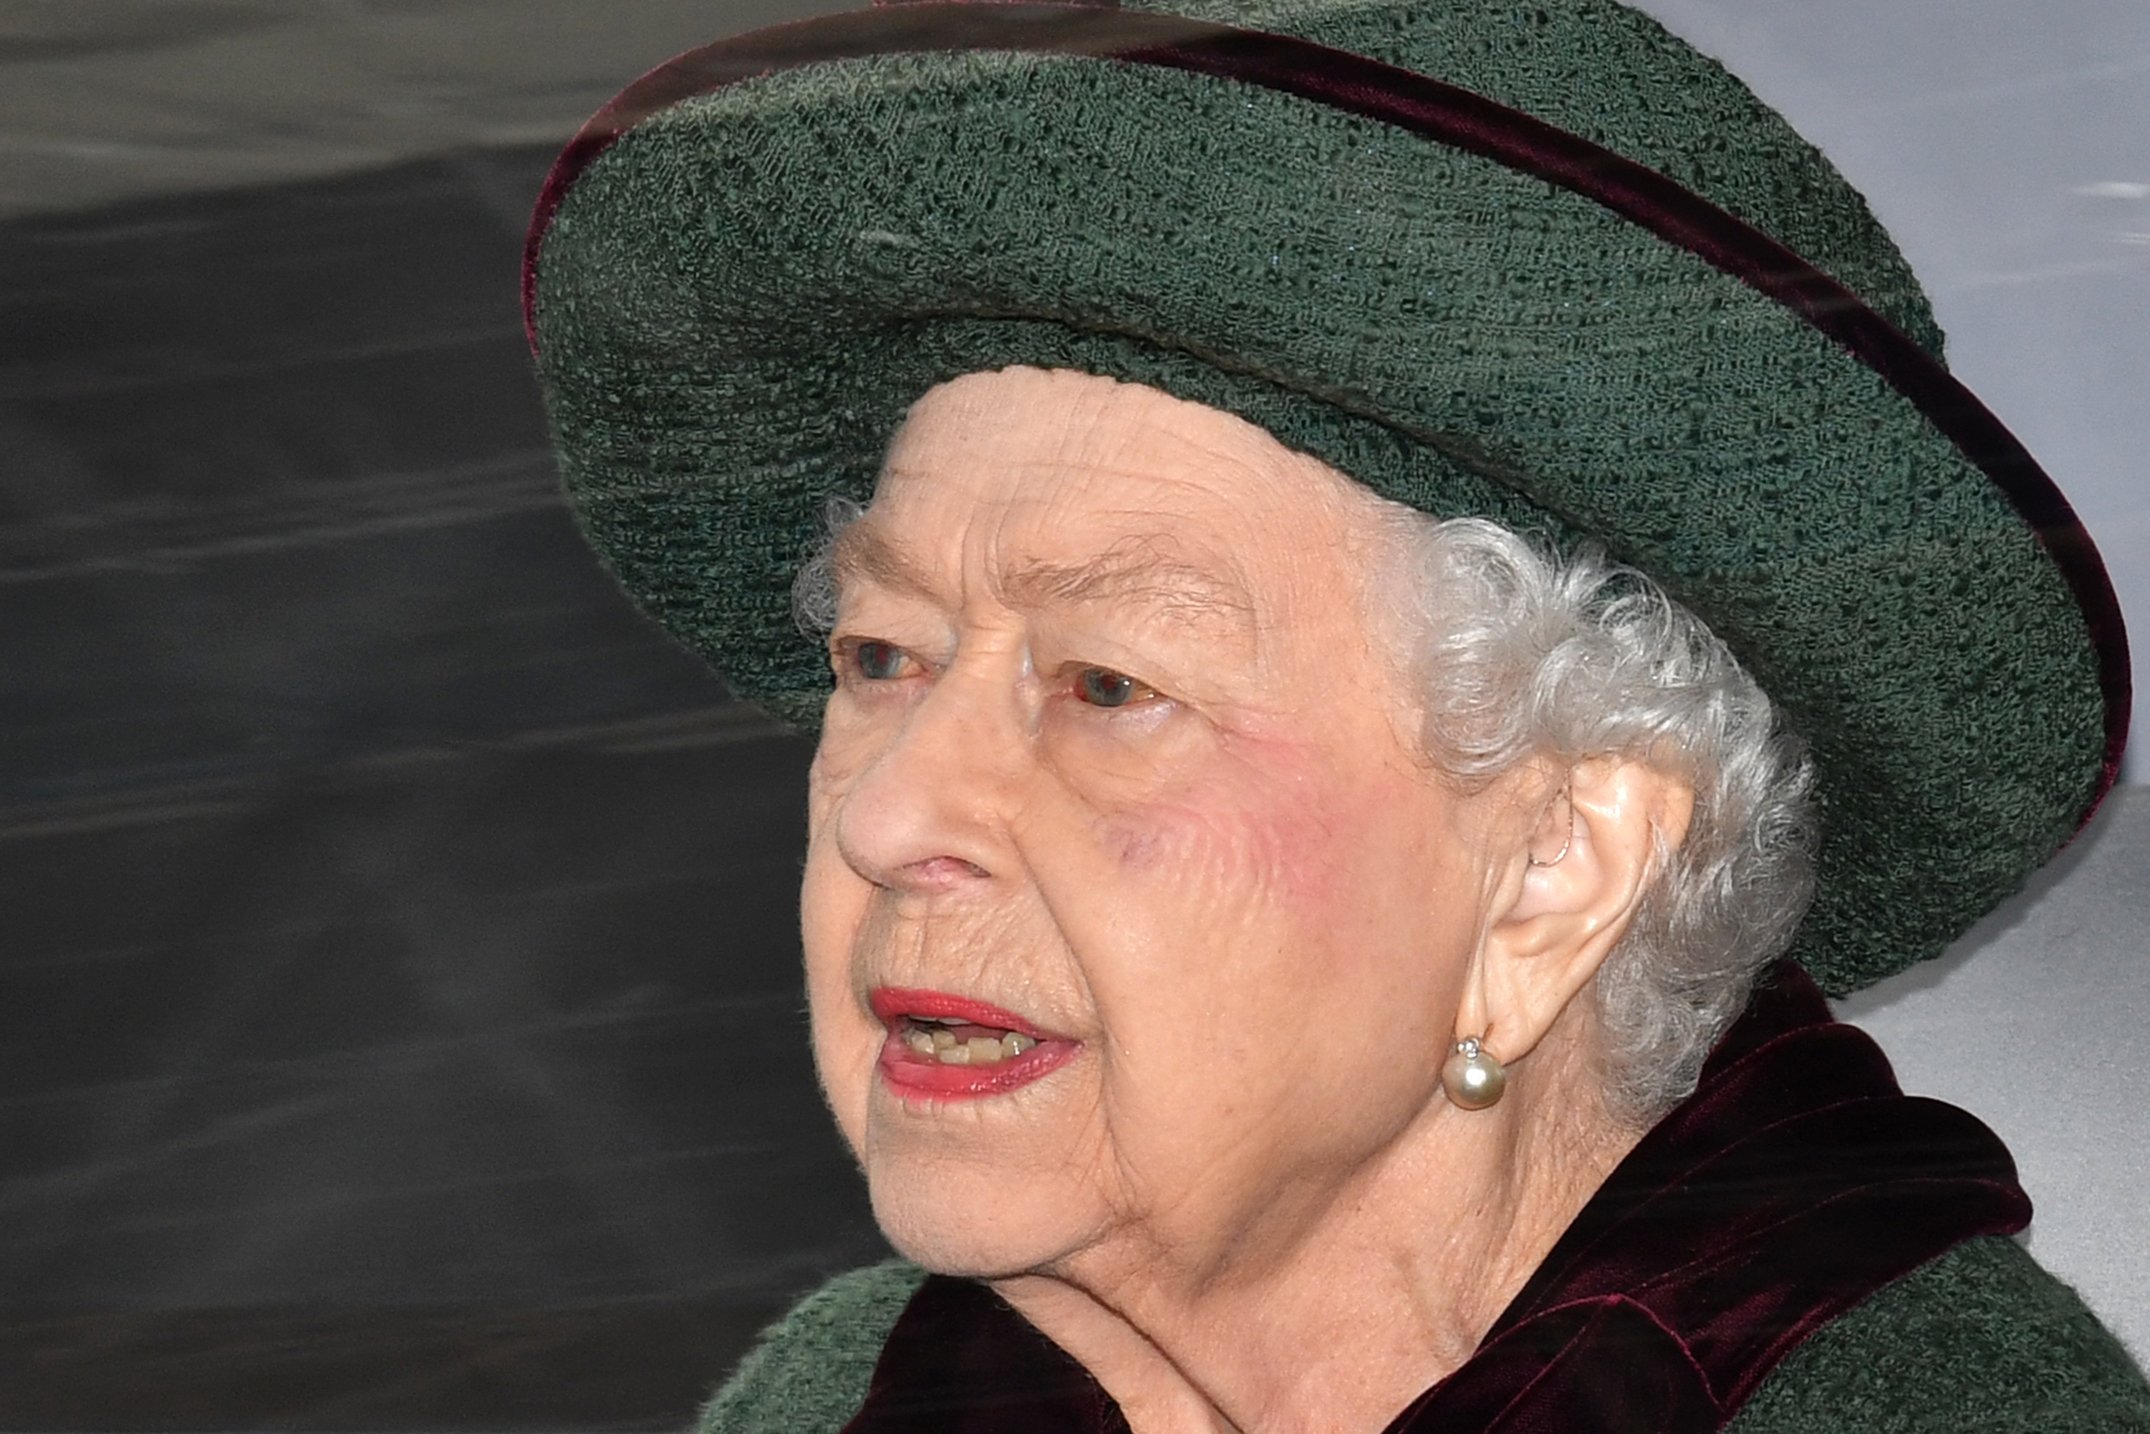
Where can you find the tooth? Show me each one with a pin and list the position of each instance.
(985, 1050)
(943, 1039)
(919, 1041)
(953, 1055)
(1017, 1043)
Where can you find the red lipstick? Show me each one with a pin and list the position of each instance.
(917, 1075)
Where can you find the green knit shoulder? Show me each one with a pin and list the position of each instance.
(809, 1371)
(1981, 1341)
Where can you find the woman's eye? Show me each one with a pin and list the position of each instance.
(1102, 687)
(874, 660)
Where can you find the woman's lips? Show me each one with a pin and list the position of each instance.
(948, 1047)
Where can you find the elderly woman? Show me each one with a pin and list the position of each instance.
(1288, 952)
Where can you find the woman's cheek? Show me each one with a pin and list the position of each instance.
(1111, 757)
(1254, 830)
(832, 910)
(845, 750)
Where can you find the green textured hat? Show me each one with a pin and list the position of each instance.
(1535, 260)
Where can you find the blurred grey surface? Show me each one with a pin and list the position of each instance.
(398, 1021)
(401, 932)
(109, 100)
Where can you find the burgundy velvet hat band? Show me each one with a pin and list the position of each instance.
(1443, 113)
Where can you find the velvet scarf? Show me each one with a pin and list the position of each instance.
(1797, 1180)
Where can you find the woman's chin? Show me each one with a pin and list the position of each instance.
(968, 1222)
(984, 1186)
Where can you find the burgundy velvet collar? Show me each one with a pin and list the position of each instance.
(1797, 1180)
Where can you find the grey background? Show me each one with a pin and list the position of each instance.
(397, 1017)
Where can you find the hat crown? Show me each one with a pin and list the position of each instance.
(1615, 76)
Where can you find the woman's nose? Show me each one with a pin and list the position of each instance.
(929, 813)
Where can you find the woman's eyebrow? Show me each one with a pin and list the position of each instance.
(1137, 571)
(862, 553)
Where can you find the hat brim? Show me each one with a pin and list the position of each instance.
(746, 271)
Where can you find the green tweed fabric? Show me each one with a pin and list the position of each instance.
(1981, 1341)
(738, 301)
(810, 1371)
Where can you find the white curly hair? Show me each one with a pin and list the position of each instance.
(1517, 654)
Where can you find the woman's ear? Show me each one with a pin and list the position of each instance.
(1570, 891)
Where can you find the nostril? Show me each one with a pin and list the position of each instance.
(938, 873)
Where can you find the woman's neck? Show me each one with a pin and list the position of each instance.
(1341, 1320)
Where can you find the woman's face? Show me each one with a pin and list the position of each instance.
(1116, 766)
